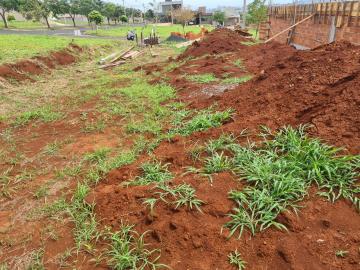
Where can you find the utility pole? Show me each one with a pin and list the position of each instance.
(124, 7)
(244, 15)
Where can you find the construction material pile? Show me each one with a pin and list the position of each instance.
(216, 42)
(319, 87)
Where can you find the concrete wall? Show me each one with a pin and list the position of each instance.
(313, 33)
(325, 22)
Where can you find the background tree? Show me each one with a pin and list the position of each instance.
(108, 11)
(65, 7)
(154, 6)
(119, 11)
(6, 6)
(257, 13)
(95, 17)
(183, 16)
(149, 14)
(37, 9)
(124, 19)
(87, 6)
(219, 17)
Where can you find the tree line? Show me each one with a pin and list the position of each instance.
(43, 9)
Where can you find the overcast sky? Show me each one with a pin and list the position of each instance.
(193, 3)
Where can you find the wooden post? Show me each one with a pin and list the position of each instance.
(350, 14)
(343, 13)
(358, 14)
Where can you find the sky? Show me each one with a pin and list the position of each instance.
(194, 3)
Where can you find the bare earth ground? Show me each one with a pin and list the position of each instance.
(69, 168)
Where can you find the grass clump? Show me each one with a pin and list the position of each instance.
(202, 78)
(183, 195)
(201, 121)
(236, 261)
(152, 172)
(280, 173)
(237, 80)
(82, 214)
(239, 63)
(341, 253)
(128, 250)
(217, 163)
(45, 114)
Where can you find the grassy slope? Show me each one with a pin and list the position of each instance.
(163, 31)
(23, 25)
(15, 47)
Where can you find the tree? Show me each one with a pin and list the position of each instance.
(149, 14)
(87, 6)
(68, 7)
(108, 11)
(38, 9)
(154, 5)
(124, 19)
(95, 17)
(219, 17)
(257, 13)
(183, 16)
(6, 6)
(119, 11)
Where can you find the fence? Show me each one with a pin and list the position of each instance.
(330, 21)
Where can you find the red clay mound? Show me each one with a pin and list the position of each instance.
(39, 64)
(290, 87)
(216, 42)
(29, 67)
(320, 87)
(8, 73)
(63, 57)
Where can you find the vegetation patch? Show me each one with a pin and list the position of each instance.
(237, 80)
(202, 78)
(279, 173)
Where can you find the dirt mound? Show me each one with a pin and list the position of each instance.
(37, 65)
(289, 87)
(216, 42)
(320, 87)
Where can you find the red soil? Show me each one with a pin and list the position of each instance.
(290, 87)
(216, 42)
(21, 70)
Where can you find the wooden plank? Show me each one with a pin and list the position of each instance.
(325, 13)
(358, 14)
(350, 14)
(337, 14)
(287, 29)
(343, 13)
(320, 13)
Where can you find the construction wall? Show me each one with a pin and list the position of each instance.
(330, 21)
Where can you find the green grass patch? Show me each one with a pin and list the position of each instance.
(236, 260)
(45, 114)
(279, 173)
(202, 120)
(15, 47)
(162, 31)
(182, 195)
(152, 172)
(239, 63)
(23, 25)
(237, 80)
(128, 250)
(202, 78)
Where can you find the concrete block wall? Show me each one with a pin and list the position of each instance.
(326, 21)
(311, 33)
